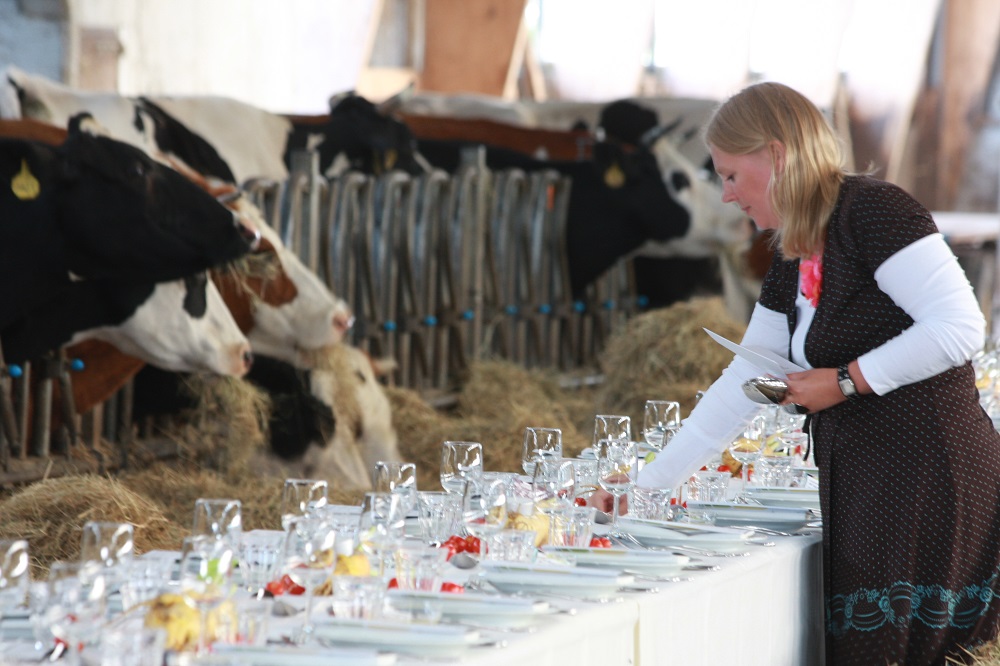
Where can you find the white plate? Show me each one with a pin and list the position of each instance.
(575, 581)
(785, 519)
(799, 498)
(648, 561)
(427, 640)
(479, 609)
(290, 655)
(707, 537)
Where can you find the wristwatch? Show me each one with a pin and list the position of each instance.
(847, 386)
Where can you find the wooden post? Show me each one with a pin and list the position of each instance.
(472, 46)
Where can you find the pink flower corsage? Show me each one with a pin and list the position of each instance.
(811, 271)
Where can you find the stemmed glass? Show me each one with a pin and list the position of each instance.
(484, 508)
(381, 526)
(77, 604)
(460, 462)
(399, 478)
(207, 563)
(111, 546)
(308, 558)
(540, 443)
(617, 467)
(14, 573)
(219, 518)
(613, 427)
(661, 419)
(300, 496)
(553, 485)
(746, 449)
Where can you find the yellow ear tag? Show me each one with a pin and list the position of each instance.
(24, 185)
(614, 176)
(390, 159)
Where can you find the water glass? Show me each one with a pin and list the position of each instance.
(585, 470)
(219, 518)
(420, 567)
(773, 469)
(106, 543)
(553, 485)
(650, 503)
(15, 573)
(301, 496)
(573, 526)
(260, 557)
(144, 579)
(357, 597)
(440, 515)
(511, 545)
(661, 419)
(249, 624)
(77, 604)
(460, 461)
(615, 427)
(484, 508)
(399, 478)
(132, 644)
(540, 443)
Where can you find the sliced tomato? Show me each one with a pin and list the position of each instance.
(452, 587)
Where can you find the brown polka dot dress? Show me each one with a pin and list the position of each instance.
(909, 481)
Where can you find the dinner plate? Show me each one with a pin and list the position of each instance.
(289, 655)
(785, 519)
(804, 498)
(480, 609)
(516, 577)
(665, 534)
(426, 640)
(646, 561)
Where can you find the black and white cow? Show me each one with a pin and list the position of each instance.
(98, 208)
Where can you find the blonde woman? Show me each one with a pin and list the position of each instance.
(864, 293)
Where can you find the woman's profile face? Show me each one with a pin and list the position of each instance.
(744, 182)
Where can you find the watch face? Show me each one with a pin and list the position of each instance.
(847, 387)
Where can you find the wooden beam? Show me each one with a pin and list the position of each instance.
(971, 33)
(471, 45)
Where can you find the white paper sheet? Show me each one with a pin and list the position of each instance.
(762, 359)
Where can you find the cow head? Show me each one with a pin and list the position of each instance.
(283, 307)
(374, 142)
(714, 225)
(183, 326)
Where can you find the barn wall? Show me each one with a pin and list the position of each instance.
(286, 55)
(31, 42)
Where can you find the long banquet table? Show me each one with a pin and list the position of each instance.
(764, 608)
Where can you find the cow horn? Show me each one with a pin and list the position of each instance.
(393, 104)
(653, 134)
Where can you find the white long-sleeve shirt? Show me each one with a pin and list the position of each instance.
(924, 279)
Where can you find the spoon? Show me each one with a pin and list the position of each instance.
(770, 390)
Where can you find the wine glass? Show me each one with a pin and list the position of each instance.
(110, 545)
(617, 467)
(300, 496)
(207, 563)
(460, 461)
(381, 527)
(77, 604)
(661, 419)
(553, 485)
(15, 574)
(746, 449)
(484, 508)
(308, 557)
(612, 427)
(219, 518)
(540, 443)
(399, 478)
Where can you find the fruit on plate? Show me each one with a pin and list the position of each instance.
(178, 616)
(537, 523)
(355, 564)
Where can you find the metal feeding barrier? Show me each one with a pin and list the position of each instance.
(443, 269)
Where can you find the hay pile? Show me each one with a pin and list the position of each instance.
(496, 404)
(228, 426)
(665, 355)
(50, 515)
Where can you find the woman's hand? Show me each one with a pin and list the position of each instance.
(604, 501)
(818, 388)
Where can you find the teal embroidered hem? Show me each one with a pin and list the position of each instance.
(903, 603)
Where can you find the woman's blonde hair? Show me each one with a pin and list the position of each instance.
(804, 192)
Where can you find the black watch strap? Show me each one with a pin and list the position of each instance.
(847, 386)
